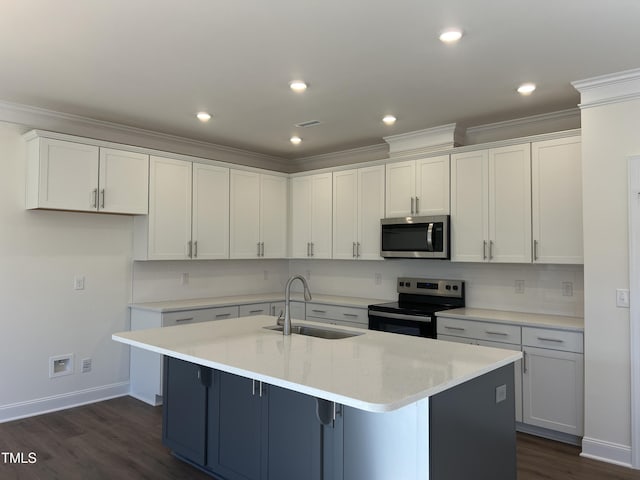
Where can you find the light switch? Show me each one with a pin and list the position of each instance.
(501, 393)
(622, 298)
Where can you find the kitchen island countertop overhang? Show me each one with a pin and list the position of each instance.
(373, 371)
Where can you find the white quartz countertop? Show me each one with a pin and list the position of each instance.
(198, 303)
(517, 318)
(375, 371)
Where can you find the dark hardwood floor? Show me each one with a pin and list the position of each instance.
(121, 439)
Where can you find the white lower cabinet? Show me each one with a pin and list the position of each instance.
(146, 367)
(553, 380)
(338, 315)
(549, 383)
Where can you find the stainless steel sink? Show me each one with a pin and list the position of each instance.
(327, 333)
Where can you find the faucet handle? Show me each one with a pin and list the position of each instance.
(280, 320)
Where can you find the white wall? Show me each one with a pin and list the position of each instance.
(40, 252)
(610, 133)
(487, 285)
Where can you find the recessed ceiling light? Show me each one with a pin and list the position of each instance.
(389, 119)
(451, 35)
(526, 88)
(203, 116)
(295, 140)
(298, 86)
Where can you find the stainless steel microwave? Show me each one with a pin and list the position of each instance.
(415, 237)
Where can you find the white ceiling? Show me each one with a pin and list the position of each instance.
(154, 63)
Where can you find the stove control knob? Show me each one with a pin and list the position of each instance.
(448, 287)
(455, 287)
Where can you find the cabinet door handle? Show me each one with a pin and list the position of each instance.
(253, 388)
(308, 249)
(484, 249)
(524, 362)
(190, 247)
(412, 205)
(352, 315)
(223, 315)
(312, 249)
(535, 250)
(102, 198)
(546, 339)
(262, 249)
(178, 320)
(503, 334)
(195, 249)
(94, 198)
(357, 249)
(490, 249)
(257, 311)
(417, 205)
(319, 311)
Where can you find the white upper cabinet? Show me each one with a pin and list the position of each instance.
(210, 212)
(188, 212)
(491, 205)
(418, 187)
(258, 215)
(557, 201)
(65, 175)
(311, 216)
(358, 206)
(123, 185)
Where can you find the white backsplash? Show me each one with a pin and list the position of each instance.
(487, 285)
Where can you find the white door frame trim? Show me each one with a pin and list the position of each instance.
(634, 303)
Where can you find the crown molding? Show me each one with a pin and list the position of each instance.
(352, 156)
(569, 113)
(50, 120)
(609, 89)
(430, 139)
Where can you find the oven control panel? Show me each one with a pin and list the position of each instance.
(427, 286)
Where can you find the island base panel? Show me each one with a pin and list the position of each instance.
(472, 429)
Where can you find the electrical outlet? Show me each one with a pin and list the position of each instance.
(78, 282)
(501, 393)
(378, 278)
(622, 298)
(519, 286)
(86, 365)
(567, 289)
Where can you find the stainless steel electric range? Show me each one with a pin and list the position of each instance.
(419, 299)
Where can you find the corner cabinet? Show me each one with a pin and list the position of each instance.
(556, 167)
(418, 187)
(64, 175)
(358, 206)
(491, 205)
(188, 212)
(311, 216)
(258, 215)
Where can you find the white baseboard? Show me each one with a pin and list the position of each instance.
(606, 451)
(39, 406)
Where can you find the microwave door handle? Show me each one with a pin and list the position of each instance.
(430, 237)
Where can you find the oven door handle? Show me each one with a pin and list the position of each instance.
(401, 316)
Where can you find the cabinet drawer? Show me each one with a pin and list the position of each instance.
(553, 339)
(255, 309)
(337, 313)
(494, 332)
(201, 315)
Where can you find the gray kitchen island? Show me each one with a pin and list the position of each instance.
(245, 402)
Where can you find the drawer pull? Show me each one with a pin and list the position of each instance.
(496, 333)
(319, 311)
(459, 329)
(256, 311)
(222, 315)
(178, 320)
(545, 339)
(353, 315)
